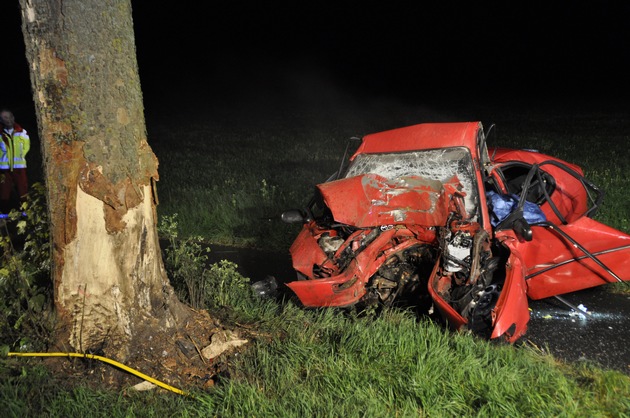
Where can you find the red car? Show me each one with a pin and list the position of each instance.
(428, 214)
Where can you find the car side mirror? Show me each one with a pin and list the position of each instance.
(522, 229)
(294, 216)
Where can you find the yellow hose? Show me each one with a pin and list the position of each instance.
(105, 360)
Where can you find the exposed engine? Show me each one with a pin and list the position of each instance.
(462, 249)
(467, 260)
(403, 277)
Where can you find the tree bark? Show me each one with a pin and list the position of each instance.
(109, 280)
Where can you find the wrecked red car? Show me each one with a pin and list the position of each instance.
(428, 214)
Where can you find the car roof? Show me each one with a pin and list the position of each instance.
(421, 136)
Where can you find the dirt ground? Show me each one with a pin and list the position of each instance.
(190, 359)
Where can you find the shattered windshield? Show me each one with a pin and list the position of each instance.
(435, 164)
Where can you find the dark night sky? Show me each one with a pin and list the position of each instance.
(396, 50)
(411, 51)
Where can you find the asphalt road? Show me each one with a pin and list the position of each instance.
(601, 336)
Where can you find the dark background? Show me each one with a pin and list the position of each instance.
(413, 51)
(191, 54)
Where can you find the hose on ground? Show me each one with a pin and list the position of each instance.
(105, 360)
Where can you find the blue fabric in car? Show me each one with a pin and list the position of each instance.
(501, 205)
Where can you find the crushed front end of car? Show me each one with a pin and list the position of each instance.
(401, 225)
(413, 219)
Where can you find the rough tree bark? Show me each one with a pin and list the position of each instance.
(109, 280)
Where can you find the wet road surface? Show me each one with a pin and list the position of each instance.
(601, 336)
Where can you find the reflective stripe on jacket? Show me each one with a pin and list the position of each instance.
(13, 148)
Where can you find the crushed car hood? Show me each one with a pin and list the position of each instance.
(371, 200)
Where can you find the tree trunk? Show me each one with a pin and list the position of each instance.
(109, 280)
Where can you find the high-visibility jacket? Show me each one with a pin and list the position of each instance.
(13, 148)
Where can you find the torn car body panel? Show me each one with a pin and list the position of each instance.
(371, 200)
(556, 266)
(414, 218)
(346, 285)
(567, 192)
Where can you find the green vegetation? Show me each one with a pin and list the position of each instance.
(228, 182)
(327, 363)
(218, 287)
(330, 364)
(26, 320)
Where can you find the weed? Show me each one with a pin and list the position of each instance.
(26, 319)
(218, 287)
(185, 262)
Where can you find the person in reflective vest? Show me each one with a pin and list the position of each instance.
(13, 149)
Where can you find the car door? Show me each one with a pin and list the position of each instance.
(569, 251)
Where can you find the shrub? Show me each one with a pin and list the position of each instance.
(185, 262)
(219, 286)
(26, 319)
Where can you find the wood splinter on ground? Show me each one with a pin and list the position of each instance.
(144, 385)
(221, 342)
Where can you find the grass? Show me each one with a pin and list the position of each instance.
(230, 177)
(30, 389)
(330, 363)
(333, 365)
